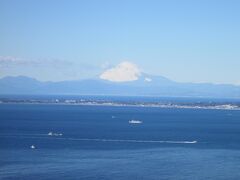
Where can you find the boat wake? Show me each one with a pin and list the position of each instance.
(134, 141)
(38, 136)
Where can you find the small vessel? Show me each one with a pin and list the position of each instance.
(135, 121)
(54, 134)
(32, 147)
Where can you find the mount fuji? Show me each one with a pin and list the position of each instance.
(125, 79)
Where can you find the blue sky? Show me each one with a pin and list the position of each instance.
(186, 41)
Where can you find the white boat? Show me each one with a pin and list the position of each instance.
(32, 147)
(54, 134)
(135, 121)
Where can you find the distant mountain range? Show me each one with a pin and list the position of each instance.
(146, 85)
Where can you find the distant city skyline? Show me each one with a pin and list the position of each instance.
(185, 41)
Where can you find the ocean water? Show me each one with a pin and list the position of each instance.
(99, 143)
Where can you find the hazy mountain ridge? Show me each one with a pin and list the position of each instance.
(146, 85)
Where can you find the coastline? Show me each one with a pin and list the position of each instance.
(143, 105)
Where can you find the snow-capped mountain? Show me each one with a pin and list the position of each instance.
(144, 85)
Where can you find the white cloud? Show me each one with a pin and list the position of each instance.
(10, 60)
(123, 72)
(16, 61)
(148, 79)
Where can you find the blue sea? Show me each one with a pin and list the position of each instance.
(99, 143)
